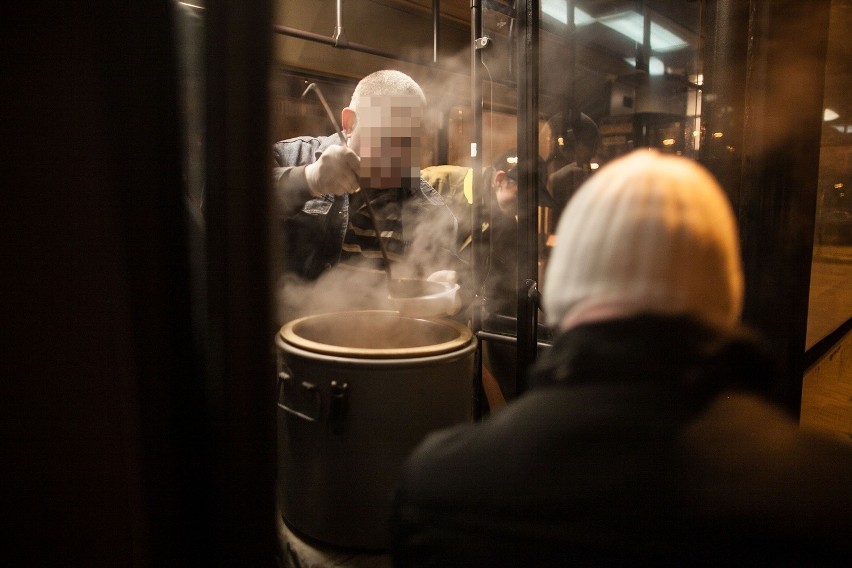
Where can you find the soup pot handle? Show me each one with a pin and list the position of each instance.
(305, 396)
(338, 405)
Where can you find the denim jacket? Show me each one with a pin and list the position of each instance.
(315, 226)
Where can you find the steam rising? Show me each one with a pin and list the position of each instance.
(388, 139)
(339, 288)
(429, 234)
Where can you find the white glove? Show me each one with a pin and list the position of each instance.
(335, 172)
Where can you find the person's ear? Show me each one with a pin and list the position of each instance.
(348, 119)
(499, 177)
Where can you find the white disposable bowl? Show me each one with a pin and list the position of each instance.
(422, 299)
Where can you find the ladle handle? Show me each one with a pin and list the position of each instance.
(315, 88)
(378, 234)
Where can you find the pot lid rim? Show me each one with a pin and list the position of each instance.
(289, 336)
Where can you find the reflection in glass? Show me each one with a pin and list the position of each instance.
(831, 276)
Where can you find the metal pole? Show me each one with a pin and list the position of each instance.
(334, 42)
(476, 250)
(310, 36)
(339, 34)
(436, 28)
(528, 105)
(573, 114)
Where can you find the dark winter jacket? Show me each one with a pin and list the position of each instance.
(644, 441)
(315, 226)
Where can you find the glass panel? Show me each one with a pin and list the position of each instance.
(607, 85)
(189, 39)
(189, 43)
(613, 76)
(831, 277)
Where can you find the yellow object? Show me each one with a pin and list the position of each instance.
(468, 186)
(451, 181)
(455, 185)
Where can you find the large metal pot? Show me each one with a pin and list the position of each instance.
(356, 392)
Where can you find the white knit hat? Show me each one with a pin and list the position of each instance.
(646, 233)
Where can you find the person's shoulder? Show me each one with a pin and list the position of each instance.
(314, 141)
(427, 193)
(427, 188)
(299, 149)
(747, 459)
(455, 448)
(747, 431)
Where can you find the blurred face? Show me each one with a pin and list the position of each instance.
(506, 193)
(386, 135)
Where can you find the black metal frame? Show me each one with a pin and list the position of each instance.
(526, 322)
(528, 111)
(477, 190)
(772, 182)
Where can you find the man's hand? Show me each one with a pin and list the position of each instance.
(335, 172)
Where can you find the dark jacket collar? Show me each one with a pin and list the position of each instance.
(678, 350)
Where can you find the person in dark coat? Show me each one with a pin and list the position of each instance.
(581, 142)
(646, 437)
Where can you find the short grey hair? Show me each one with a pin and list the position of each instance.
(387, 82)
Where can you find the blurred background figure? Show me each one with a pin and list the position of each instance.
(502, 234)
(579, 142)
(646, 437)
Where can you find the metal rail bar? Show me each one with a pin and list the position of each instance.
(310, 36)
(506, 339)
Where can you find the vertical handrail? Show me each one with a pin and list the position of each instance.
(436, 28)
(339, 34)
(528, 105)
(478, 198)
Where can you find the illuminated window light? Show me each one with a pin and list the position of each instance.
(717, 135)
(632, 25)
(558, 10)
(829, 115)
(655, 65)
(842, 128)
(594, 165)
(668, 142)
(838, 186)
